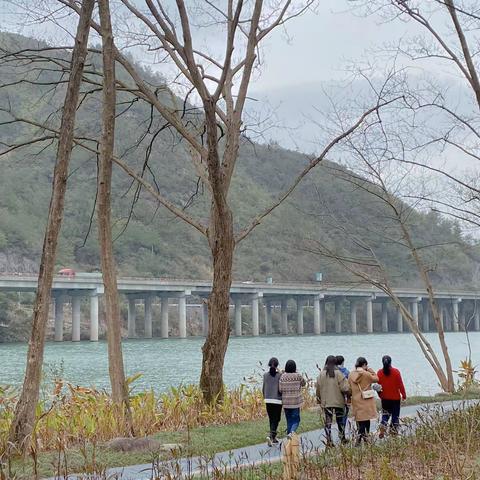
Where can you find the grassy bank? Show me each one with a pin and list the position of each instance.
(200, 441)
(442, 446)
(95, 456)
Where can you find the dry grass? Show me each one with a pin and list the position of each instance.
(439, 446)
(71, 415)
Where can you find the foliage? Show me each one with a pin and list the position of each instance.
(72, 413)
(466, 374)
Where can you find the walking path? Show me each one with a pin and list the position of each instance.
(311, 442)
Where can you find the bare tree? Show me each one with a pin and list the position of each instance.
(444, 113)
(107, 144)
(213, 132)
(359, 257)
(24, 419)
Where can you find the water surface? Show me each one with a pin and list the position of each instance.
(166, 363)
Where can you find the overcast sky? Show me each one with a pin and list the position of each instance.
(296, 66)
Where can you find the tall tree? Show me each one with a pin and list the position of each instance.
(24, 419)
(221, 84)
(107, 145)
(213, 129)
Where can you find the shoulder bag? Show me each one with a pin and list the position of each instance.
(366, 394)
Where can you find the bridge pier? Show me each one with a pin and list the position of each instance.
(182, 316)
(385, 317)
(132, 318)
(399, 321)
(94, 318)
(317, 320)
(238, 316)
(338, 315)
(75, 318)
(268, 317)
(300, 305)
(323, 315)
(59, 304)
(369, 311)
(441, 315)
(425, 315)
(164, 330)
(255, 318)
(284, 316)
(353, 316)
(461, 316)
(148, 316)
(455, 317)
(414, 310)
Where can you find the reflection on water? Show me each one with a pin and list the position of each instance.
(166, 363)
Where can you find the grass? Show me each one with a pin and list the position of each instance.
(199, 441)
(441, 446)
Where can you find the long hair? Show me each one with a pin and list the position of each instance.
(387, 364)
(361, 361)
(330, 365)
(273, 364)
(290, 366)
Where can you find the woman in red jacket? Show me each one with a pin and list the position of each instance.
(392, 392)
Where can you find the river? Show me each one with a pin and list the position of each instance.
(166, 363)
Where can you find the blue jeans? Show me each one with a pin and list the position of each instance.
(292, 415)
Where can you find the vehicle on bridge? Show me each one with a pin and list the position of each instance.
(67, 272)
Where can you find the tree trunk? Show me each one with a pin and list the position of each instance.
(109, 272)
(450, 383)
(222, 245)
(24, 418)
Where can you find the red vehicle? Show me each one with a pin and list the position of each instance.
(67, 272)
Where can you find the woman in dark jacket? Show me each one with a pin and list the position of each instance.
(272, 398)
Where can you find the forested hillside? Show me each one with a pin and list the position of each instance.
(150, 241)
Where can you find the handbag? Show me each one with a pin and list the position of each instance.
(366, 394)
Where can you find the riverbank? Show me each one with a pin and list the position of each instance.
(93, 455)
(439, 443)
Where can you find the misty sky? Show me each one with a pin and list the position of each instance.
(297, 65)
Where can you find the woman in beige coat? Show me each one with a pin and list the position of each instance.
(363, 399)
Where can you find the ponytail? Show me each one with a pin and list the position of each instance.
(273, 364)
(387, 364)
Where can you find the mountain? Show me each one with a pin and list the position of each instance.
(149, 240)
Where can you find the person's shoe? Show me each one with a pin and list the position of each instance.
(275, 441)
(289, 436)
(269, 441)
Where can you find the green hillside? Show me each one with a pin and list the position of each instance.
(151, 242)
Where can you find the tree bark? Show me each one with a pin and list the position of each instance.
(24, 418)
(109, 271)
(222, 245)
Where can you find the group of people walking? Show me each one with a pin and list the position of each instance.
(338, 391)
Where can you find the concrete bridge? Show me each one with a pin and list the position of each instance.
(334, 305)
